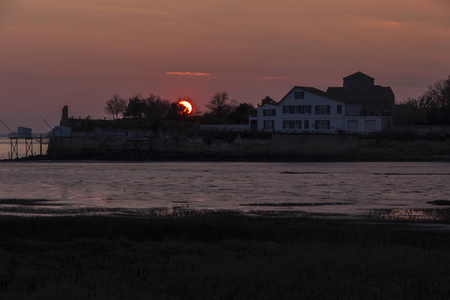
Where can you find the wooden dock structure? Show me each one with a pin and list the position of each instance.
(14, 139)
(23, 134)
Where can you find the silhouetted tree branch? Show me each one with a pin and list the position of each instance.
(241, 113)
(433, 107)
(220, 105)
(136, 107)
(115, 106)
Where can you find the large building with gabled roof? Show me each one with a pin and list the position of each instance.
(360, 90)
(358, 106)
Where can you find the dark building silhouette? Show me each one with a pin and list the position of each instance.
(64, 116)
(362, 96)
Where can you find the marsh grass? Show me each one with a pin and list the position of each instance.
(220, 256)
(27, 202)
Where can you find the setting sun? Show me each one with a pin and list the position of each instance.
(185, 107)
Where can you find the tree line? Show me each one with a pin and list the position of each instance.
(431, 108)
(221, 109)
(137, 107)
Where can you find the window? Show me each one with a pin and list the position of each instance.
(299, 95)
(352, 125)
(297, 109)
(269, 112)
(304, 109)
(292, 124)
(339, 109)
(322, 124)
(306, 124)
(288, 109)
(322, 109)
(268, 124)
(370, 125)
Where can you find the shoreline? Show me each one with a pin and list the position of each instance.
(435, 212)
(437, 216)
(242, 158)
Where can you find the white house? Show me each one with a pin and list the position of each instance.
(307, 109)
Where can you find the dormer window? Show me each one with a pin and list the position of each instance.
(299, 95)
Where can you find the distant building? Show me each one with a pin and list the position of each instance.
(362, 96)
(24, 132)
(359, 106)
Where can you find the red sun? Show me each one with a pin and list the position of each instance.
(185, 107)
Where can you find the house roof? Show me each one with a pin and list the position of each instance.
(344, 95)
(358, 75)
(340, 94)
(310, 90)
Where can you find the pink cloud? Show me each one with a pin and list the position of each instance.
(274, 77)
(188, 73)
(392, 24)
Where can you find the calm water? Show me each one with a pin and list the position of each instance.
(349, 189)
(5, 147)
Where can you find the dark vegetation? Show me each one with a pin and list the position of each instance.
(152, 111)
(222, 110)
(432, 108)
(440, 202)
(404, 136)
(231, 136)
(86, 125)
(220, 256)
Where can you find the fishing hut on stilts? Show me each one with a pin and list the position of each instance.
(25, 134)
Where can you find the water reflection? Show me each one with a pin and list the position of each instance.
(391, 190)
(412, 214)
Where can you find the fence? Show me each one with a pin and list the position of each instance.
(225, 127)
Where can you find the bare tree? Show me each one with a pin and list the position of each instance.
(156, 108)
(436, 102)
(438, 94)
(220, 104)
(115, 106)
(433, 106)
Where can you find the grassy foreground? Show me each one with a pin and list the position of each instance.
(219, 256)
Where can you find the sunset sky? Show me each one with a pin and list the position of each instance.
(81, 52)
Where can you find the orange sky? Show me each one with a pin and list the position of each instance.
(81, 52)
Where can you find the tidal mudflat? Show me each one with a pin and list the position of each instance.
(348, 190)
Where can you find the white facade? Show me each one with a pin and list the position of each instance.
(366, 124)
(306, 109)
